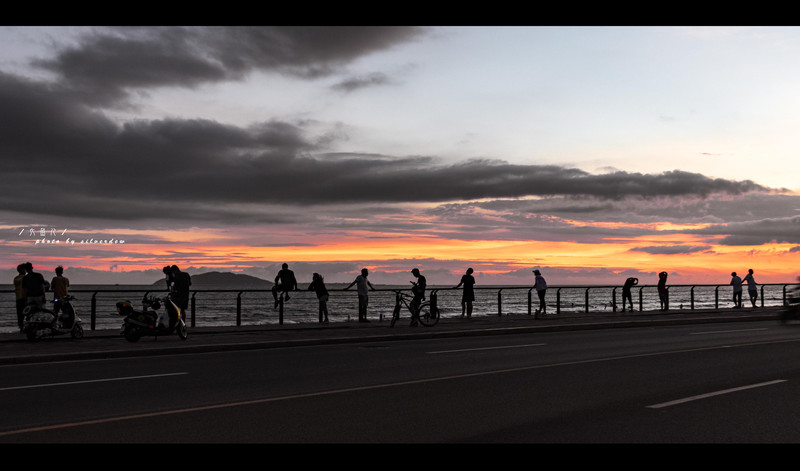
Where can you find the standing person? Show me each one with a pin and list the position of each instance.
(60, 287)
(737, 290)
(418, 289)
(468, 296)
(752, 287)
(541, 289)
(284, 282)
(34, 285)
(181, 281)
(362, 283)
(663, 293)
(19, 291)
(318, 285)
(168, 277)
(626, 291)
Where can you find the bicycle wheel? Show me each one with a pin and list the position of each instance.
(395, 315)
(428, 316)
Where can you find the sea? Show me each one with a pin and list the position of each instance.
(218, 307)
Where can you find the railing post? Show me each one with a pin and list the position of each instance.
(587, 300)
(716, 297)
(94, 310)
(280, 309)
(239, 309)
(499, 303)
(641, 303)
(193, 307)
(529, 301)
(692, 298)
(614, 300)
(762, 295)
(558, 301)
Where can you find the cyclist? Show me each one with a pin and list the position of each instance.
(418, 289)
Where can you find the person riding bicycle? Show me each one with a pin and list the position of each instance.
(418, 289)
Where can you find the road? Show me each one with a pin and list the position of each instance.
(707, 383)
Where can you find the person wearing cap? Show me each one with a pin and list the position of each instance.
(418, 289)
(540, 285)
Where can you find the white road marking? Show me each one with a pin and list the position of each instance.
(50, 385)
(487, 348)
(724, 331)
(716, 393)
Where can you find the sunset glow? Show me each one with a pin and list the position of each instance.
(336, 148)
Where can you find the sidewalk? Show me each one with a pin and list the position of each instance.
(16, 349)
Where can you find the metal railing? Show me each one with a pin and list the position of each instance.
(589, 295)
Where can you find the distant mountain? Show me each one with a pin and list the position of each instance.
(227, 280)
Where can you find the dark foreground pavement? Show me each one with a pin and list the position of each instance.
(16, 349)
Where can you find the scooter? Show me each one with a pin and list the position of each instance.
(40, 322)
(149, 321)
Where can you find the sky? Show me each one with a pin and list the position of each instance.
(592, 153)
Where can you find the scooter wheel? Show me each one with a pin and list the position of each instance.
(183, 333)
(131, 335)
(77, 332)
(30, 333)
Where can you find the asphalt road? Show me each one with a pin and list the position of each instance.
(695, 383)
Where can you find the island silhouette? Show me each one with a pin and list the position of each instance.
(224, 280)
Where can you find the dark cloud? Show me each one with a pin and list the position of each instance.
(201, 168)
(110, 62)
(356, 83)
(757, 232)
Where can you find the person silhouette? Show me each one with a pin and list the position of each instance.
(19, 291)
(736, 282)
(60, 287)
(418, 290)
(663, 292)
(362, 283)
(318, 286)
(285, 281)
(752, 287)
(468, 295)
(540, 285)
(181, 281)
(626, 291)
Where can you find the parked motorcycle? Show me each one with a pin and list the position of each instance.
(40, 322)
(149, 321)
(791, 311)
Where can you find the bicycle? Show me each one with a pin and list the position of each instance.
(427, 313)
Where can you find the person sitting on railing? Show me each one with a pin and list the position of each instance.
(284, 282)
